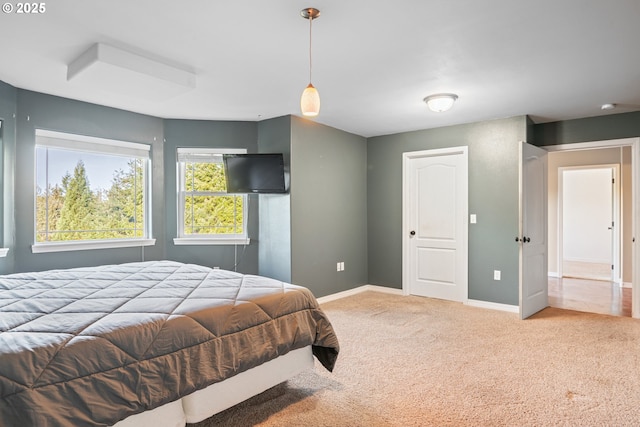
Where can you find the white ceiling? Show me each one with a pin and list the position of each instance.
(373, 62)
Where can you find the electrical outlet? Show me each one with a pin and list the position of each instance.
(496, 274)
(341, 265)
(473, 219)
(338, 267)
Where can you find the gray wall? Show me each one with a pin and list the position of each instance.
(493, 197)
(274, 136)
(36, 110)
(344, 202)
(209, 134)
(8, 100)
(328, 207)
(601, 128)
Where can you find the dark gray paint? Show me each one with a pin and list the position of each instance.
(328, 207)
(274, 136)
(208, 134)
(601, 128)
(8, 100)
(493, 197)
(36, 110)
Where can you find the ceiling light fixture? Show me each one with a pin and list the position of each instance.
(310, 100)
(608, 106)
(440, 101)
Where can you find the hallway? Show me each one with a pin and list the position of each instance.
(594, 296)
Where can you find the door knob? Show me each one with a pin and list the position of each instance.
(412, 232)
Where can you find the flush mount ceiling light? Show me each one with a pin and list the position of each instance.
(608, 106)
(310, 100)
(119, 71)
(440, 101)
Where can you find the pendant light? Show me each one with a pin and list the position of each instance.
(310, 100)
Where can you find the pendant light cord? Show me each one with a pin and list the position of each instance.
(310, 38)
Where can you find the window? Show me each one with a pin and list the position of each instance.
(90, 193)
(206, 213)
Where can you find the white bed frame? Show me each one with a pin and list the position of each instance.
(209, 401)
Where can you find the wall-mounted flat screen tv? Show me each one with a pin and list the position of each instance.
(255, 173)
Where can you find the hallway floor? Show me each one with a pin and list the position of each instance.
(594, 296)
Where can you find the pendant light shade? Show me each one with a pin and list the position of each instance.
(310, 100)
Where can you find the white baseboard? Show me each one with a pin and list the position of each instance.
(358, 290)
(626, 284)
(493, 305)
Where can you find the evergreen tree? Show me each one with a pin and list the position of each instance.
(207, 214)
(125, 200)
(77, 212)
(48, 207)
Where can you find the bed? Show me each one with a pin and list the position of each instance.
(151, 343)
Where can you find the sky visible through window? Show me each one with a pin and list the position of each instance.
(99, 167)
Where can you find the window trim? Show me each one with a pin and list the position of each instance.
(76, 245)
(182, 155)
(96, 145)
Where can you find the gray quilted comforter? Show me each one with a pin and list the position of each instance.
(91, 346)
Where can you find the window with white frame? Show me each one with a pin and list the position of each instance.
(90, 193)
(207, 214)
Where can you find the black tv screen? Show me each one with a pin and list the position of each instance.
(254, 173)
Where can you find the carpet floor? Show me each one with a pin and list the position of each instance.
(412, 361)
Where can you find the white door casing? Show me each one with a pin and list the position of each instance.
(634, 143)
(435, 211)
(532, 237)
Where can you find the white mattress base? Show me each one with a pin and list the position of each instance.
(209, 401)
(168, 415)
(217, 397)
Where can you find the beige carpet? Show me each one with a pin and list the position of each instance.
(411, 361)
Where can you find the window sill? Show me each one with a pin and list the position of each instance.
(179, 241)
(90, 245)
(3, 252)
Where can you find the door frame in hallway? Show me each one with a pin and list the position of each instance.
(634, 143)
(614, 239)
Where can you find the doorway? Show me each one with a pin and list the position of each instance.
(614, 295)
(589, 222)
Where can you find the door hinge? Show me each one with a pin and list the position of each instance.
(612, 266)
(613, 180)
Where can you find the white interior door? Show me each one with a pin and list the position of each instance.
(435, 223)
(532, 238)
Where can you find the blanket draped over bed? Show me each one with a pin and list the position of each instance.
(91, 346)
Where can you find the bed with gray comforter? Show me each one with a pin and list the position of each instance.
(91, 346)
